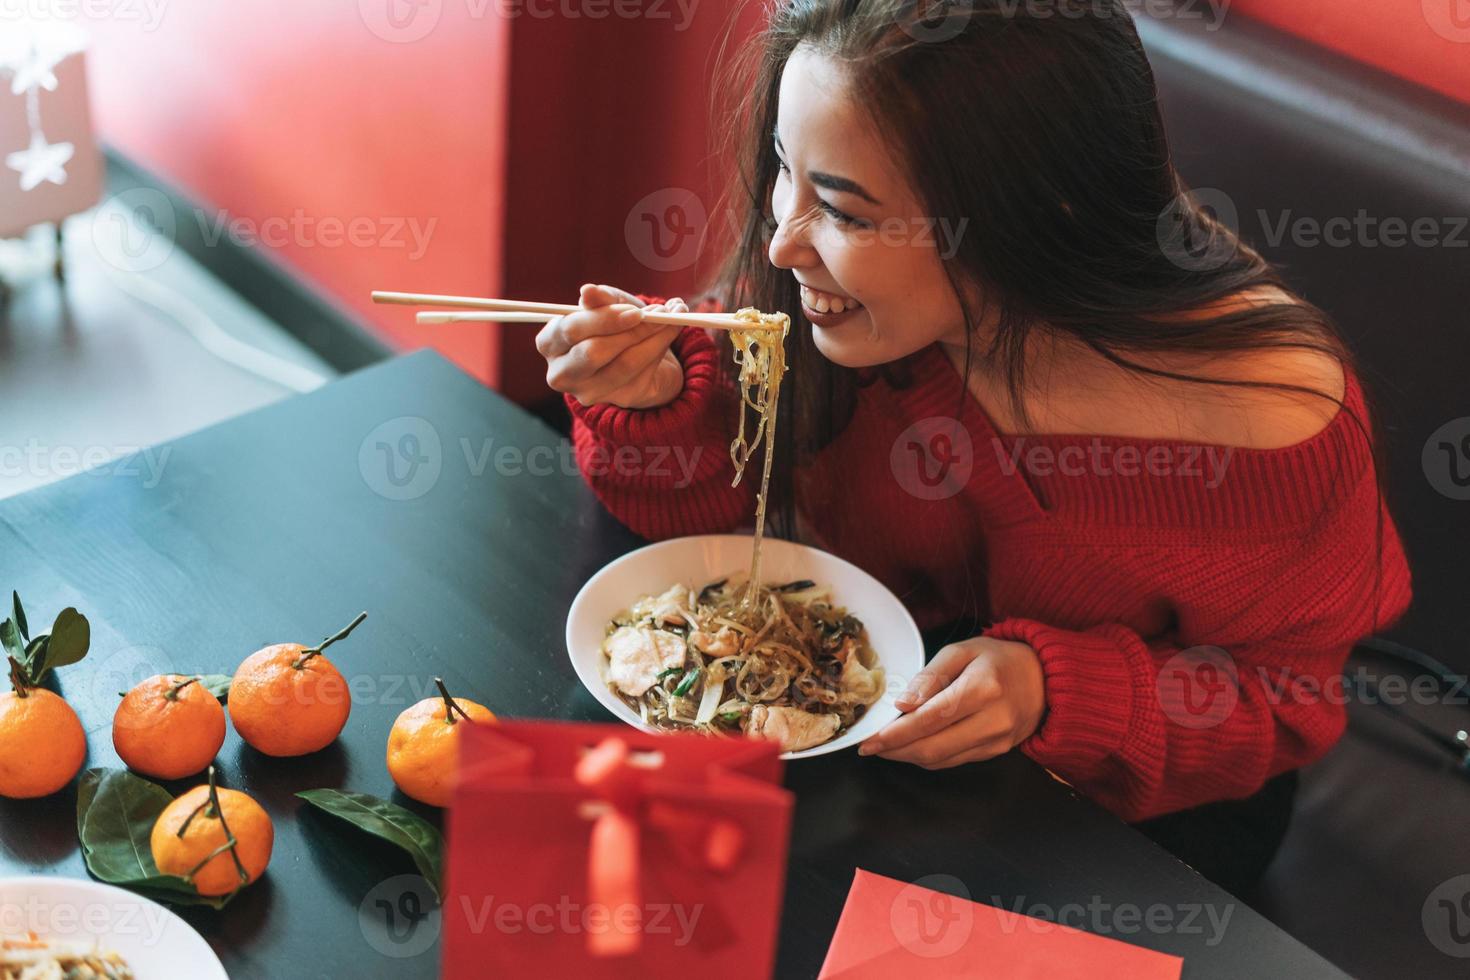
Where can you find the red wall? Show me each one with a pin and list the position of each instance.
(297, 111)
(610, 130)
(525, 139)
(1425, 41)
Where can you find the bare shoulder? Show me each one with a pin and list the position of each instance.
(1271, 397)
(1289, 395)
(1268, 398)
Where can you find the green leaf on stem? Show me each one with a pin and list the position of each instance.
(71, 635)
(116, 811)
(13, 641)
(20, 614)
(392, 823)
(35, 651)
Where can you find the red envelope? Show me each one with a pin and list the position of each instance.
(894, 929)
(600, 851)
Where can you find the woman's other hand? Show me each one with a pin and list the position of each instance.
(973, 701)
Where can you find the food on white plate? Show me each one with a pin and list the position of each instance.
(739, 656)
(781, 662)
(638, 655)
(33, 958)
(793, 728)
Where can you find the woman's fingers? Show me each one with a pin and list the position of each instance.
(634, 375)
(628, 369)
(563, 333)
(969, 691)
(593, 296)
(575, 351)
(944, 709)
(587, 357)
(566, 332)
(607, 351)
(964, 735)
(947, 664)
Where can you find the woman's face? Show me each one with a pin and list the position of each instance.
(850, 229)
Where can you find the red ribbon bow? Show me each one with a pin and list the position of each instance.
(622, 814)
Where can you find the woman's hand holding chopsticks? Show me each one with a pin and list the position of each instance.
(603, 355)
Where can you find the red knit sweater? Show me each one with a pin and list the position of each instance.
(1147, 575)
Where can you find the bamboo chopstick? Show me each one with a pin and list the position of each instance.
(486, 316)
(472, 303)
(522, 311)
(516, 316)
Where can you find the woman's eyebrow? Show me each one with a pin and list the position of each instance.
(831, 181)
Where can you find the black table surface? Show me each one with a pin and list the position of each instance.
(282, 524)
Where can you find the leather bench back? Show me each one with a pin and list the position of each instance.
(1358, 186)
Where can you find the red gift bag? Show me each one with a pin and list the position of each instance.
(600, 851)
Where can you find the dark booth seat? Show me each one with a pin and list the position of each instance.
(1328, 167)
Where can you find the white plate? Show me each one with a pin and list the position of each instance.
(156, 944)
(698, 560)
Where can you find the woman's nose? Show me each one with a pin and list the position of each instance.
(791, 247)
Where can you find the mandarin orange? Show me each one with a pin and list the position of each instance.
(288, 700)
(169, 726)
(42, 744)
(192, 839)
(423, 745)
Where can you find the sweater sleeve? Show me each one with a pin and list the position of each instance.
(1147, 726)
(666, 471)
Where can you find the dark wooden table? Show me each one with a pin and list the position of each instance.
(282, 524)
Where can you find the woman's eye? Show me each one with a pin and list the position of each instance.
(842, 217)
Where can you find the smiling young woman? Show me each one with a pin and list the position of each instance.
(1031, 385)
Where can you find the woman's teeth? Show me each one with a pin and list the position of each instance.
(828, 302)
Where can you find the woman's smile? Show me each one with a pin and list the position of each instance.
(827, 309)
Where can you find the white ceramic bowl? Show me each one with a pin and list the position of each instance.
(698, 560)
(156, 943)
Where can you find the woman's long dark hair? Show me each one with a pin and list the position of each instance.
(1040, 128)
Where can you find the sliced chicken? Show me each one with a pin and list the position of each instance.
(673, 608)
(859, 682)
(637, 655)
(793, 728)
(725, 643)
